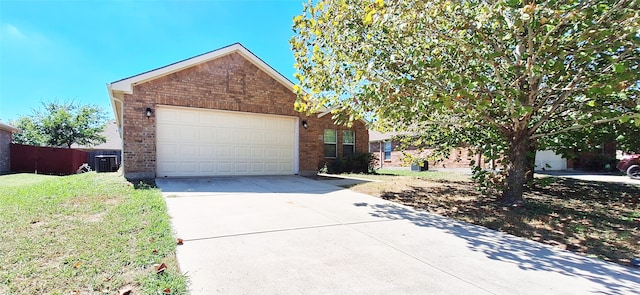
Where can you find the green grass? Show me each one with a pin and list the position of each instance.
(84, 234)
(16, 180)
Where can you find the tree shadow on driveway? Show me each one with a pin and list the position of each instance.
(527, 255)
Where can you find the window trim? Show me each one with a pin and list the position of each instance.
(334, 143)
(385, 150)
(352, 144)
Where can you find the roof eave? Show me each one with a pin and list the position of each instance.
(126, 85)
(9, 128)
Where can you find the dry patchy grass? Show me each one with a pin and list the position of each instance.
(83, 234)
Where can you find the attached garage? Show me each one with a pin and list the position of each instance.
(222, 113)
(204, 142)
(548, 160)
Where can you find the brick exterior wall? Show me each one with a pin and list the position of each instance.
(5, 146)
(459, 157)
(229, 83)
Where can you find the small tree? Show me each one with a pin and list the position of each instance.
(61, 125)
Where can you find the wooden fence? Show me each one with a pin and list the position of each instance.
(46, 160)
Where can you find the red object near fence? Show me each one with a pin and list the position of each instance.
(46, 160)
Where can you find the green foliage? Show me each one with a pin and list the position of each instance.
(489, 182)
(61, 125)
(502, 77)
(356, 163)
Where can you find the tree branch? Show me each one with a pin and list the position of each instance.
(561, 99)
(574, 127)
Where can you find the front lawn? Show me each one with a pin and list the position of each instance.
(84, 234)
(593, 218)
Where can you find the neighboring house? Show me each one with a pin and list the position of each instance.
(112, 146)
(225, 112)
(389, 156)
(6, 132)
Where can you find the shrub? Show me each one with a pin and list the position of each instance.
(598, 162)
(356, 163)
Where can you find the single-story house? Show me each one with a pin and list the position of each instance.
(111, 147)
(389, 156)
(224, 112)
(6, 134)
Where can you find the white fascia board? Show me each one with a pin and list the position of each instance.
(116, 104)
(325, 111)
(9, 128)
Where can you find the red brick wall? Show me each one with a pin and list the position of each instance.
(312, 140)
(228, 83)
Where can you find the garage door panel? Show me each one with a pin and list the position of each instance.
(285, 166)
(198, 142)
(286, 153)
(225, 167)
(168, 132)
(207, 151)
(189, 117)
(189, 135)
(271, 152)
(224, 135)
(208, 119)
(241, 168)
(187, 167)
(241, 138)
(207, 167)
(188, 150)
(241, 152)
(167, 148)
(206, 135)
(225, 151)
(271, 167)
(257, 167)
(169, 167)
(257, 153)
(257, 138)
(171, 116)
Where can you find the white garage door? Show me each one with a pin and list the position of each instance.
(201, 142)
(550, 161)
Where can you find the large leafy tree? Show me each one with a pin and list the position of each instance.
(499, 75)
(61, 125)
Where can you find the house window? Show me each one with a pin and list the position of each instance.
(330, 143)
(387, 150)
(348, 143)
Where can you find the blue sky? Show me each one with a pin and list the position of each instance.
(68, 50)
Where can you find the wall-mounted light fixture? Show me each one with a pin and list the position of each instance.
(148, 112)
(304, 124)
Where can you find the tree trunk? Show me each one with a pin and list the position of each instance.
(517, 168)
(531, 162)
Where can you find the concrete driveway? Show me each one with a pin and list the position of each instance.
(591, 176)
(293, 235)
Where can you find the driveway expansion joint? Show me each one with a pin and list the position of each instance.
(286, 230)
